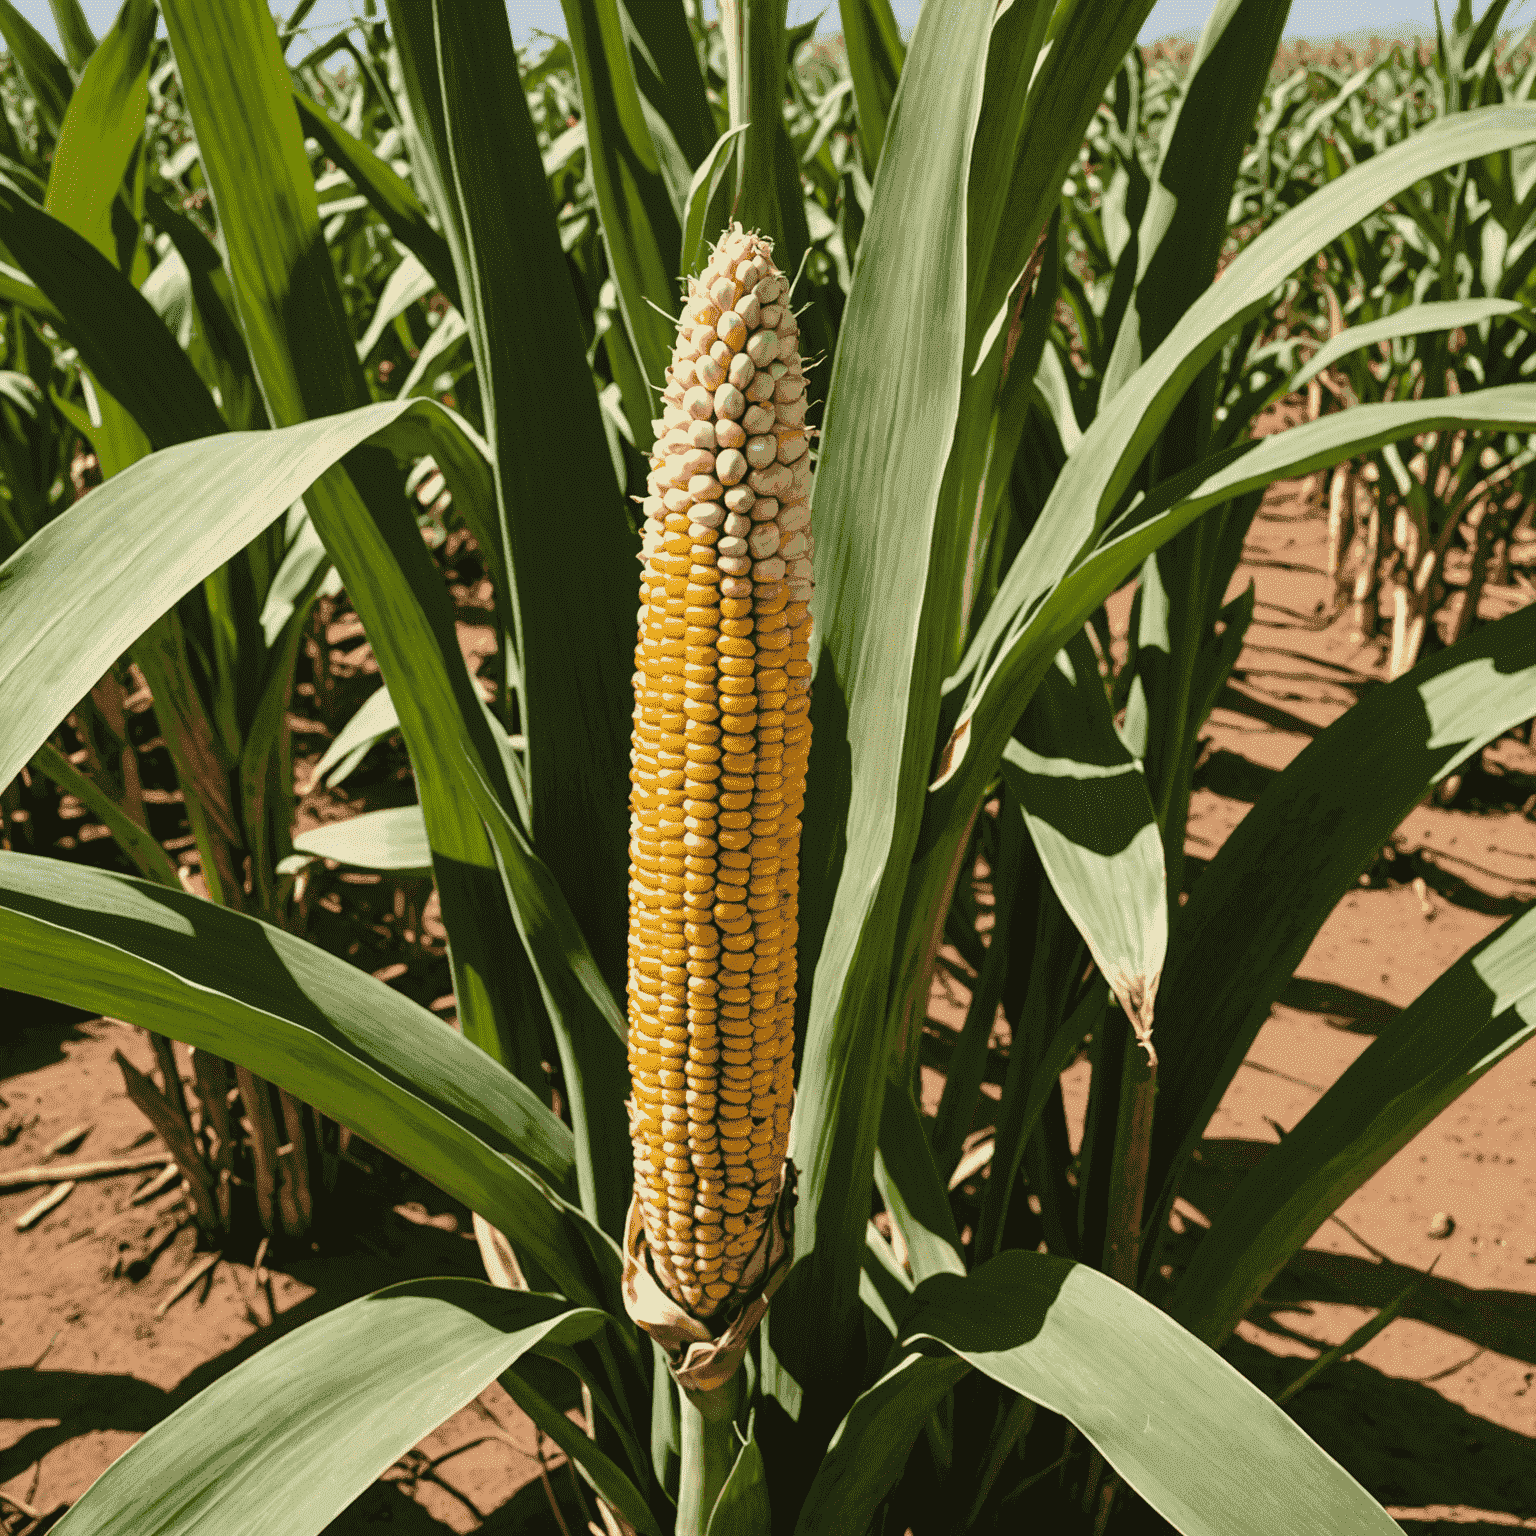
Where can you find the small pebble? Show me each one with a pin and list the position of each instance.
(1441, 1225)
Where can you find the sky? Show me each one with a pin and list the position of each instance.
(1309, 18)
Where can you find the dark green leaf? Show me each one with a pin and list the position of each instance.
(1258, 904)
(295, 1433)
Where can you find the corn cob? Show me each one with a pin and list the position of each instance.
(721, 741)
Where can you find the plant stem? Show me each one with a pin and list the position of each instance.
(709, 1446)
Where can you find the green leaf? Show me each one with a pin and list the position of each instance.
(1262, 899)
(407, 284)
(590, 1029)
(74, 32)
(571, 563)
(1148, 1395)
(238, 92)
(309, 1022)
(390, 195)
(44, 71)
(375, 720)
(1413, 320)
(1001, 662)
(103, 123)
(912, 1188)
(611, 1482)
(1085, 801)
(1184, 226)
(889, 424)
(394, 840)
(119, 336)
(753, 34)
(291, 1436)
(144, 539)
(869, 1452)
(642, 229)
(149, 858)
(699, 227)
(875, 57)
(743, 1508)
(1045, 79)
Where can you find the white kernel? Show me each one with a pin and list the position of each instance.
(701, 533)
(730, 545)
(702, 433)
(730, 466)
(735, 565)
(732, 330)
(651, 506)
(729, 401)
(710, 513)
(723, 292)
(761, 451)
(710, 374)
(736, 524)
(765, 541)
(682, 372)
(762, 347)
(749, 274)
(677, 500)
(701, 312)
(734, 586)
(749, 310)
(697, 404)
(740, 370)
(704, 488)
(740, 498)
(703, 337)
(697, 461)
(772, 481)
(768, 570)
(728, 434)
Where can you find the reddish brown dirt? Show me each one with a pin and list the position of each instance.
(1437, 1416)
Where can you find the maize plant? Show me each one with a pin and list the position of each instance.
(1009, 1340)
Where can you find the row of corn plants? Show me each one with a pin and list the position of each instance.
(751, 830)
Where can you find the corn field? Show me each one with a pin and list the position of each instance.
(995, 309)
